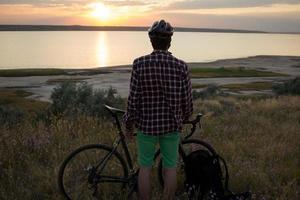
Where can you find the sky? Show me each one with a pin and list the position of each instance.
(264, 15)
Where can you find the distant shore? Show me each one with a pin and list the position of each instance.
(112, 28)
(242, 75)
(13, 27)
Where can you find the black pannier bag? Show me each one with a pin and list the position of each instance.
(205, 179)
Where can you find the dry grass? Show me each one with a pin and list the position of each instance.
(259, 138)
(14, 97)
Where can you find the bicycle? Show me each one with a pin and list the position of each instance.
(100, 171)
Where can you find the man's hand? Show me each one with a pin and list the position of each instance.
(129, 135)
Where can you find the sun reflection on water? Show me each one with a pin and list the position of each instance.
(102, 54)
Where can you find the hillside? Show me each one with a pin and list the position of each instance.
(258, 136)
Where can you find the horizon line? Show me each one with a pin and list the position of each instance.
(76, 27)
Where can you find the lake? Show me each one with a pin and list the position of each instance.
(90, 49)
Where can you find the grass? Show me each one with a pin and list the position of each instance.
(249, 86)
(30, 72)
(239, 86)
(230, 72)
(15, 97)
(195, 72)
(259, 139)
(60, 80)
(50, 72)
(198, 86)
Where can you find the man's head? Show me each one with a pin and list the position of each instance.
(160, 34)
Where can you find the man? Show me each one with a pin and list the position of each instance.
(159, 101)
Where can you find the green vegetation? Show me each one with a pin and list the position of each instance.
(288, 87)
(16, 98)
(230, 72)
(210, 91)
(240, 86)
(248, 86)
(72, 99)
(61, 80)
(258, 137)
(198, 86)
(30, 72)
(53, 72)
(196, 72)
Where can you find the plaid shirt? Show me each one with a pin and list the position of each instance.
(160, 97)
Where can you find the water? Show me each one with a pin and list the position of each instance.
(89, 49)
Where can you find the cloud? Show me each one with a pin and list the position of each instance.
(207, 4)
(276, 9)
(178, 4)
(70, 2)
(124, 2)
(38, 2)
(289, 23)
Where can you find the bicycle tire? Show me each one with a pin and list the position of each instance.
(115, 165)
(186, 144)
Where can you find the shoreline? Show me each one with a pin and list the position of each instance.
(118, 77)
(226, 63)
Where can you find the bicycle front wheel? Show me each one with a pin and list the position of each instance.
(185, 148)
(93, 172)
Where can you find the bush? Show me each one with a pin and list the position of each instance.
(210, 90)
(71, 99)
(11, 116)
(288, 87)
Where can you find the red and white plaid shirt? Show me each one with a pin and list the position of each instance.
(160, 96)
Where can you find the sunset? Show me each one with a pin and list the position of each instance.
(100, 11)
(264, 15)
(149, 99)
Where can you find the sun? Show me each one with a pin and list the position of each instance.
(100, 11)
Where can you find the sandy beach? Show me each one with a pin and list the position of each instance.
(119, 77)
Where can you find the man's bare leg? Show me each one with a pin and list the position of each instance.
(170, 183)
(144, 183)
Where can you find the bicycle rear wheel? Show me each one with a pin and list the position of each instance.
(187, 146)
(93, 172)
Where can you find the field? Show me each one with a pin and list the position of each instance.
(249, 86)
(30, 72)
(240, 86)
(17, 98)
(257, 136)
(51, 72)
(230, 72)
(196, 72)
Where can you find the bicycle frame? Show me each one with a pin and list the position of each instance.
(121, 140)
(114, 112)
(96, 174)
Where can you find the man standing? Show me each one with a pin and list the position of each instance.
(159, 101)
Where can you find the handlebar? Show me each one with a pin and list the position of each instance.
(194, 122)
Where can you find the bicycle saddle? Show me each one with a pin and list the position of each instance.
(114, 110)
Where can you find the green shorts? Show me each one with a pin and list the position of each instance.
(146, 145)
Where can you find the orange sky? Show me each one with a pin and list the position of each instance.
(268, 15)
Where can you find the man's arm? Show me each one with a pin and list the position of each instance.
(133, 98)
(187, 99)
